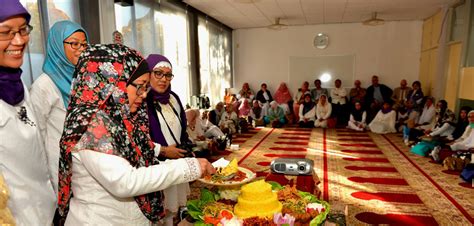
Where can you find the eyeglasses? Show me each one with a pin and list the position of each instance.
(77, 45)
(142, 88)
(10, 34)
(160, 74)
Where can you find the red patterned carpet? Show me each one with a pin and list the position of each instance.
(374, 176)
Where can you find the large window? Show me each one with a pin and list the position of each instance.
(57, 10)
(173, 39)
(215, 59)
(33, 58)
(151, 28)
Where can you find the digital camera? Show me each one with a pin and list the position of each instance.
(188, 147)
(292, 166)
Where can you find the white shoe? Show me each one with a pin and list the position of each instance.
(435, 153)
(407, 142)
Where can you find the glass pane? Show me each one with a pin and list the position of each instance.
(124, 24)
(63, 10)
(33, 58)
(144, 27)
(215, 59)
(173, 39)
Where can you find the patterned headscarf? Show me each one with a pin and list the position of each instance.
(99, 119)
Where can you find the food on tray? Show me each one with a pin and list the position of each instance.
(257, 199)
(231, 193)
(233, 167)
(301, 207)
(258, 205)
(230, 173)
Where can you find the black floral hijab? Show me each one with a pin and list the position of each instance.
(99, 119)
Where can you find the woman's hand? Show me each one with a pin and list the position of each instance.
(173, 152)
(206, 167)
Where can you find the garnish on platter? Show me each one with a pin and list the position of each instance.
(259, 203)
(228, 174)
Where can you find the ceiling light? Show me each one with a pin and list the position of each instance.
(277, 25)
(374, 21)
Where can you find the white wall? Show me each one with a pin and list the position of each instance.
(391, 51)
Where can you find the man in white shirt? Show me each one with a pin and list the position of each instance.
(338, 101)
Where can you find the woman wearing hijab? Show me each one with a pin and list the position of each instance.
(275, 116)
(108, 170)
(244, 109)
(462, 144)
(167, 125)
(283, 97)
(307, 112)
(445, 121)
(384, 121)
(194, 129)
(23, 159)
(461, 124)
(323, 112)
(50, 92)
(357, 118)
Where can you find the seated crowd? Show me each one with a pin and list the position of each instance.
(378, 109)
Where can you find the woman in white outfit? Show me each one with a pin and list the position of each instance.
(22, 157)
(167, 126)
(357, 118)
(50, 92)
(323, 112)
(384, 121)
(108, 170)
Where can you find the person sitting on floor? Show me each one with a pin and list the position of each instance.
(416, 95)
(307, 112)
(216, 114)
(245, 92)
(425, 121)
(244, 109)
(464, 143)
(210, 130)
(323, 112)
(265, 97)
(275, 116)
(197, 134)
(256, 114)
(357, 118)
(384, 121)
(229, 120)
(399, 95)
(445, 120)
(299, 98)
(357, 94)
(283, 97)
(462, 123)
(318, 91)
(411, 117)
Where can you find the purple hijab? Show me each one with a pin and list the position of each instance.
(156, 60)
(11, 87)
(154, 99)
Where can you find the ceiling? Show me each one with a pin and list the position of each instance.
(239, 14)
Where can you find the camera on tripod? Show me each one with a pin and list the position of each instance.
(292, 166)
